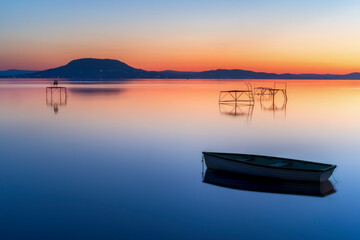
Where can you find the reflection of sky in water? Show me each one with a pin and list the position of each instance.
(128, 165)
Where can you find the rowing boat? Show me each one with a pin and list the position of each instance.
(267, 166)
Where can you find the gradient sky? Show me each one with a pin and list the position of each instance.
(320, 36)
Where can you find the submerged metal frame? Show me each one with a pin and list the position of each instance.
(239, 99)
(236, 95)
(272, 90)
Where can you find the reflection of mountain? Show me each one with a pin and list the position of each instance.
(108, 68)
(258, 184)
(96, 91)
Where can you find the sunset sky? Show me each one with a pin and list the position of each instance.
(319, 36)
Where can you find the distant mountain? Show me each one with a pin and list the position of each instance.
(233, 74)
(100, 68)
(109, 69)
(12, 72)
(94, 68)
(243, 74)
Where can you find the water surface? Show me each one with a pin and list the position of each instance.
(122, 160)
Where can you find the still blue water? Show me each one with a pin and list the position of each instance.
(123, 161)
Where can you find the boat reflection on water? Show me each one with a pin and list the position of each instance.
(260, 184)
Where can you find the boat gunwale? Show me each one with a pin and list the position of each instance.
(216, 154)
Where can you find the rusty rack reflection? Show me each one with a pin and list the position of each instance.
(269, 95)
(241, 102)
(236, 109)
(237, 102)
(56, 96)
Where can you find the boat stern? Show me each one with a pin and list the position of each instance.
(327, 174)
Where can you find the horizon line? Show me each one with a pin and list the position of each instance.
(228, 69)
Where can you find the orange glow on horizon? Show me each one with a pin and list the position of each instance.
(281, 57)
(272, 54)
(200, 64)
(267, 37)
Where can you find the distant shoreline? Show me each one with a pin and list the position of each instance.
(109, 69)
(161, 79)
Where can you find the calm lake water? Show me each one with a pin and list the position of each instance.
(122, 160)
